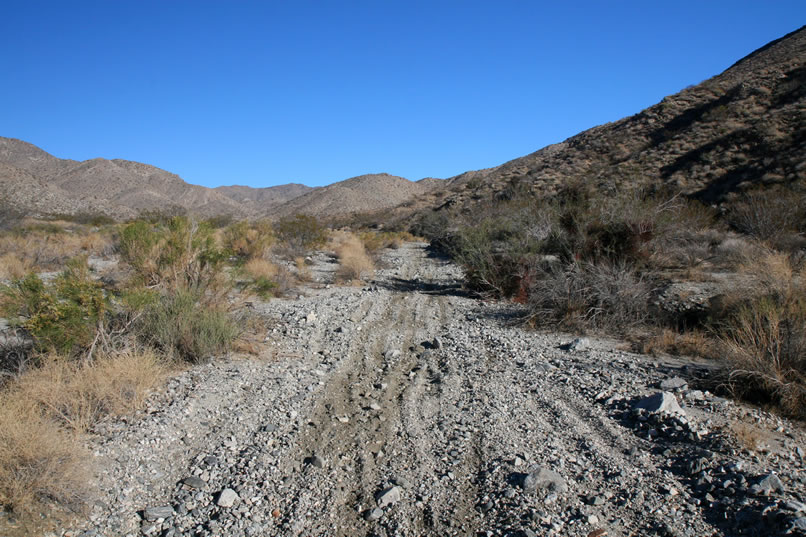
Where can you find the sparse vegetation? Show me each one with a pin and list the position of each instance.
(354, 262)
(301, 233)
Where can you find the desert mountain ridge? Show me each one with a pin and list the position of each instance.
(741, 129)
(39, 183)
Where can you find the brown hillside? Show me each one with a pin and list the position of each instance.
(742, 128)
(365, 193)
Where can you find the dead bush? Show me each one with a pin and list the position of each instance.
(769, 214)
(354, 262)
(13, 266)
(589, 296)
(43, 413)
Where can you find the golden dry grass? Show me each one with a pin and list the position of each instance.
(261, 268)
(78, 395)
(692, 343)
(12, 266)
(355, 263)
(39, 459)
(49, 251)
(44, 412)
(303, 272)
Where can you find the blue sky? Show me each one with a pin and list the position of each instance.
(266, 93)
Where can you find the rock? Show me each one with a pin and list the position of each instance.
(401, 482)
(310, 318)
(436, 343)
(579, 344)
(373, 514)
(194, 482)
(543, 478)
(767, 485)
(388, 496)
(798, 524)
(674, 383)
(227, 498)
(526, 532)
(315, 460)
(154, 513)
(796, 506)
(661, 402)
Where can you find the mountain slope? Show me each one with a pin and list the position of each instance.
(365, 193)
(743, 128)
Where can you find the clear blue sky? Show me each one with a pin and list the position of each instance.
(265, 93)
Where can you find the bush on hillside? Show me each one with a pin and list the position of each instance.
(300, 233)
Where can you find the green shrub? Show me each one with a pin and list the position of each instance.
(180, 327)
(181, 253)
(64, 316)
(248, 240)
(301, 233)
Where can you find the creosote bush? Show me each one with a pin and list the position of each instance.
(300, 233)
(176, 325)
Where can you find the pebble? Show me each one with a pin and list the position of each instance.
(227, 498)
(543, 478)
(154, 513)
(661, 402)
(389, 496)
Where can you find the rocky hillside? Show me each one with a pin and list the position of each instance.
(744, 127)
(40, 183)
(365, 193)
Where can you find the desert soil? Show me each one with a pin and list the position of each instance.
(406, 408)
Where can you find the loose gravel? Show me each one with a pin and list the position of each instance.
(405, 408)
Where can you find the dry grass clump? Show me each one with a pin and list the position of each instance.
(43, 413)
(686, 343)
(375, 241)
(12, 265)
(354, 261)
(50, 247)
(78, 394)
(40, 460)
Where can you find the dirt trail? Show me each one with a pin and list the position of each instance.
(408, 388)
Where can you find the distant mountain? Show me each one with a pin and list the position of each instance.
(362, 194)
(262, 199)
(39, 183)
(743, 128)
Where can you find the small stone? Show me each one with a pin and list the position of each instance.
(595, 500)
(316, 461)
(674, 383)
(194, 482)
(593, 520)
(578, 344)
(311, 317)
(526, 532)
(374, 406)
(543, 478)
(796, 506)
(798, 524)
(436, 343)
(597, 533)
(153, 513)
(767, 485)
(401, 482)
(227, 498)
(388, 496)
(661, 402)
(510, 493)
(373, 514)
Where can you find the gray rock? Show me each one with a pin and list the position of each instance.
(388, 496)
(373, 514)
(543, 478)
(579, 344)
(798, 524)
(796, 506)
(316, 461)
(767, 485)
(401, 482)
(674, 383)
(194, 482)
(436, 343)
(661, 402)
(227, 498)
(162, 511)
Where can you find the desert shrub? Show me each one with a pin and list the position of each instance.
(178, 326)
(765, 343)
(354, 262)
(248, 240)
(586, 295)
(13, 266)
(265, 277)
(375, 241)
(769, 214)
(63, 316)
(10, 216)
(40, 461)
(180, 254)
(300, 233)
(220, 221)
(85, 218)
(43, 412)
(163, 215)
(43, 250)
